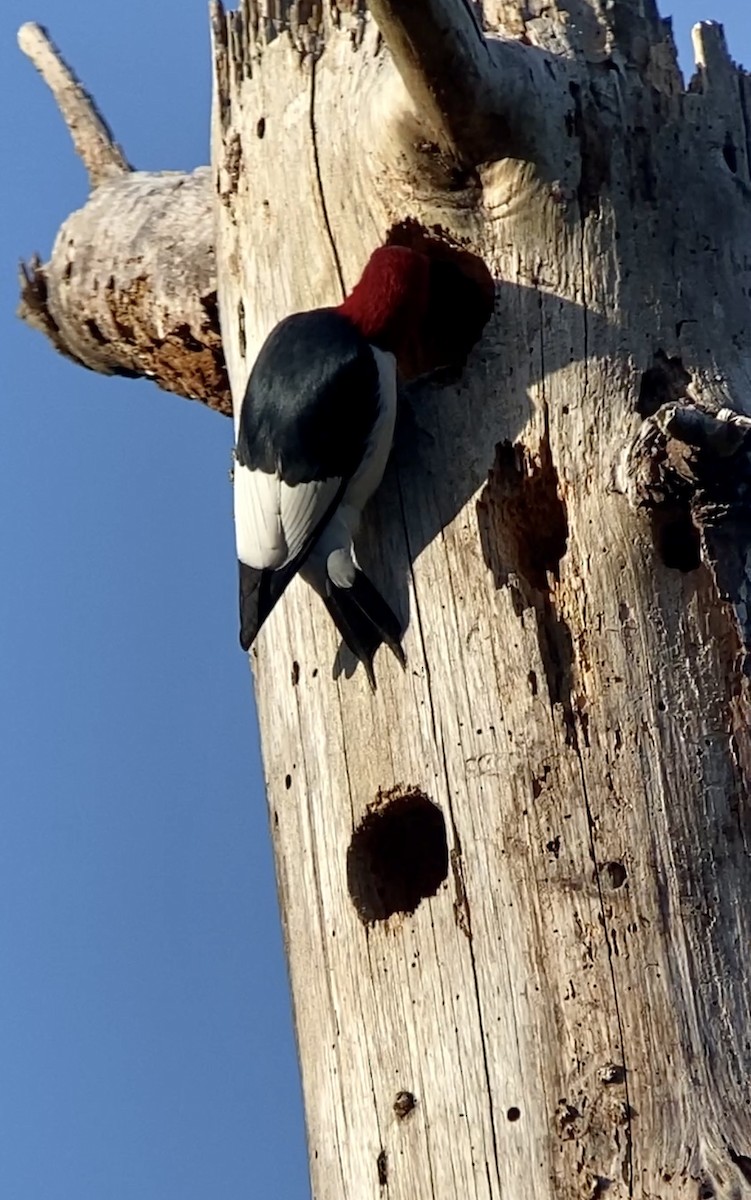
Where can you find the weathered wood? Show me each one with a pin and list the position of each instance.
(515, 883)
(568, 1013)
(466, 89)
(130, 288)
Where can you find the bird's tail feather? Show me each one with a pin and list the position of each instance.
(259, 592)
(261, 588)
(364, 620)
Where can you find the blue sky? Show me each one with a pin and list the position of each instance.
(146, 1046)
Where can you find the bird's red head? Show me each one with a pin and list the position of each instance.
(389, 303)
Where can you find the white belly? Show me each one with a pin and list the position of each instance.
(370, 471)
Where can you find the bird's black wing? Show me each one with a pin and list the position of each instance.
(308, 411)
(311, 400)
(260, 589)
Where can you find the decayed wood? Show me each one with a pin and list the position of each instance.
(567, 1014)
(130, 288)
(553, 803)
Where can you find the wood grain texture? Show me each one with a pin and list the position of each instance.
(130, 287)
(569, 1015)
(566, 1012)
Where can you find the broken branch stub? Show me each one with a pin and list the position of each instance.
(130, 287)
(479, 99)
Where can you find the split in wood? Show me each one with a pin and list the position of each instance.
(382, 1167)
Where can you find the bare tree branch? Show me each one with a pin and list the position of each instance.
(480, 98)
(130, 287)
(443, 59)
(92, 138)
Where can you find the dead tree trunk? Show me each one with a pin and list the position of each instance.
(516, 882)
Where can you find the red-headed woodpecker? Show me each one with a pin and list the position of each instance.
(315, 432)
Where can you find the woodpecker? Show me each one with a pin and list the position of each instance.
(315, 431)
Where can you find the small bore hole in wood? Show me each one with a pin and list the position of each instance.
(665, 381)
(730, 154)
(261, 127)
(398, 856)
(513, 1113)
(676, 538)
(616, 874)
(404, 1104)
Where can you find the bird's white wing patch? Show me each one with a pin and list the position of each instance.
(273, 521)
(258, 520)
(304, 508)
